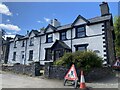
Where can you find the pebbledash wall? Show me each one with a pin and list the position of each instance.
(98, 36)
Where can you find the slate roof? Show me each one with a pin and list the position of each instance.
(67, 26)
(19, 36)
(92, 20)
(100, 18)
(62, 44)
(64, 27)
(52, 27)
(35, 32)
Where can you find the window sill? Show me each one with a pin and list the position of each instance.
(49, 42)
(64, 40)
(30, 60)
(80, 37)
(13, 60)
(31, 45)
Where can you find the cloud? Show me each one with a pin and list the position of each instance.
(10, 27)
(5, 10)
(39, 21)
(9, 35)
(47, 20)
(8, 20)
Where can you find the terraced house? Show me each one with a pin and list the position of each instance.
(48, 45)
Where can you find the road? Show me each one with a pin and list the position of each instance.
(11, 80)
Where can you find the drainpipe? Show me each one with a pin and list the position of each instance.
(71, 40)
(39, 48)
(25, 52)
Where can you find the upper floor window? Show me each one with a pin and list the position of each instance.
(23, 43)
(63, 36)
(80, 32)
(30, 55)
(49, 38)
(14, 56)
(32, 41)
(15, 46)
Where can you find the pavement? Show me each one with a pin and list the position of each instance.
(11, 80)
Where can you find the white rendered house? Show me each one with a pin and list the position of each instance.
(48, 45)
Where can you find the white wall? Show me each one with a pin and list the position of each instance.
(35, 48)
(94, 43)
(17, 50)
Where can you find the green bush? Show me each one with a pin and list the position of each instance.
(82, 59)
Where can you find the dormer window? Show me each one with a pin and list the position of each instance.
(80, 32)
(23, 43)
(63, 35)
(32, 41)
(49, 38)
(15, 46)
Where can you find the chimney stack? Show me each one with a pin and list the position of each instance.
(55, 23)
(104, 9)
(27, 32)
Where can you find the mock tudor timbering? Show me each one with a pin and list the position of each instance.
(50, 44)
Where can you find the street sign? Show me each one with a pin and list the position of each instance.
(71, 75)
(117, 64)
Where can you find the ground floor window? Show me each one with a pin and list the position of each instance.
(14, 56)
(81, 47)
(30, 55)
(48, 54)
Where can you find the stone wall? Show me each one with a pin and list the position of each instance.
(55, 71)
(58, 72)
(31, 70)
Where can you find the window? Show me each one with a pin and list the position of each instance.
(14, 56)
(15, 44)
(32, 41)
(80, 32)
(30, 55)
(49, 38)
(63, 36)
(22, 53)
(48, 54)
(23, 43)
(82, 47)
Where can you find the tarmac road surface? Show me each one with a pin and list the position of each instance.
(11, 80)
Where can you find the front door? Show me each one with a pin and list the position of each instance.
(58, 54)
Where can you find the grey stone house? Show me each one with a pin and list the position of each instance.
(48, 45)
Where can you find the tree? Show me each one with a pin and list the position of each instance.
(117, 34)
